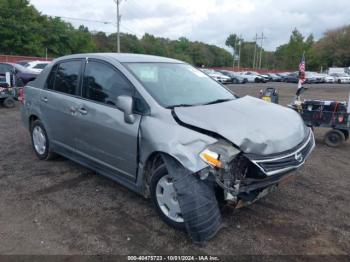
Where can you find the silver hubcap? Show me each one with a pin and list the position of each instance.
(167, 199)
(39, 140)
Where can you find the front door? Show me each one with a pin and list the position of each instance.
(104, 137)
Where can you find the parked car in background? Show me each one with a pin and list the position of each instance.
(216, 75)
(253, 77)
(291, 78)
(327, 78)
(313, 78)
(236, 78)
(283, 76)
(274, 77)
(266, 77)
(167, 131)
(23, 62)
(37, 66)
(22, 74)
(341, 78)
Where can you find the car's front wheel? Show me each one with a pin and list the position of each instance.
(40, 141)
(164, 198)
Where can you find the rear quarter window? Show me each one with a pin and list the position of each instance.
(64, 77)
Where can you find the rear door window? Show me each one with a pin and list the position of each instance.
(66, 79)
(104, 83)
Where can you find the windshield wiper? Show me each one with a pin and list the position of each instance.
(218, 101)
(179, 105)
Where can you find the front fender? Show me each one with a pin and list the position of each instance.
(165, 135)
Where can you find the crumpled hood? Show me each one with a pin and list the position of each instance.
(256, 126)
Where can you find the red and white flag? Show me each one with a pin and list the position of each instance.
(301, 75)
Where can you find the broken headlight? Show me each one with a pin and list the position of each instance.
(219, 154)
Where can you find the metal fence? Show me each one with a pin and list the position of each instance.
(16, 58)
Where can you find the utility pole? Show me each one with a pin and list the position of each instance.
(239, 51)
(234, 54)
(261, 48)
(255, 44)
(233, 59)
(117, 2)
(258, 53)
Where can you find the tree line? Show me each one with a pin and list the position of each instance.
(25, 31)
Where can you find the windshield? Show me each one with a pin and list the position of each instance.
(172, 84)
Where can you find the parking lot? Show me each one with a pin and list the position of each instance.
(59, 207)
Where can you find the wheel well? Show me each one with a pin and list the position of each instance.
(152, 163)
(32, 118)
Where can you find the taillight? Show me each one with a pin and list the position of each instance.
(21, 95)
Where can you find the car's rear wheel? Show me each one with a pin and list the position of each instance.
(40, 141)
(164, 198)
(334, 138)
(339, 81)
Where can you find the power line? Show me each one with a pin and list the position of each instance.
(82, 19)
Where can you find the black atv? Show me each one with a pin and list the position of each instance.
(6, 95)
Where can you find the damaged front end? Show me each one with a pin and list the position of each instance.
(245, 178)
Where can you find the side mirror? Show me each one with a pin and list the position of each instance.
(125, 104)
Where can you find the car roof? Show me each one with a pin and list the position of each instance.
(39, 62)
(125, 57)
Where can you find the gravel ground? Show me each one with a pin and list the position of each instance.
(59, 207)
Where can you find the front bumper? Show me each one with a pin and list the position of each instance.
(248, 175)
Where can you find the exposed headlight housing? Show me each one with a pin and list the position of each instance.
(219, 154)
(211, 158)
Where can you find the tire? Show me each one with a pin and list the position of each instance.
(346, 134)
(19, 82)
(235, 81)
(9, 102)
(256, 80)
(40, 141)
(339, 81)
(159, 176)
(334, 138)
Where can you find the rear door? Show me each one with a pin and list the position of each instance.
(59, 101)
(105, 139)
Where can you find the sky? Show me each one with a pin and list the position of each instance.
(209, 21)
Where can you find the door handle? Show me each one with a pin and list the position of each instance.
(44, 99)
(83, 111)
